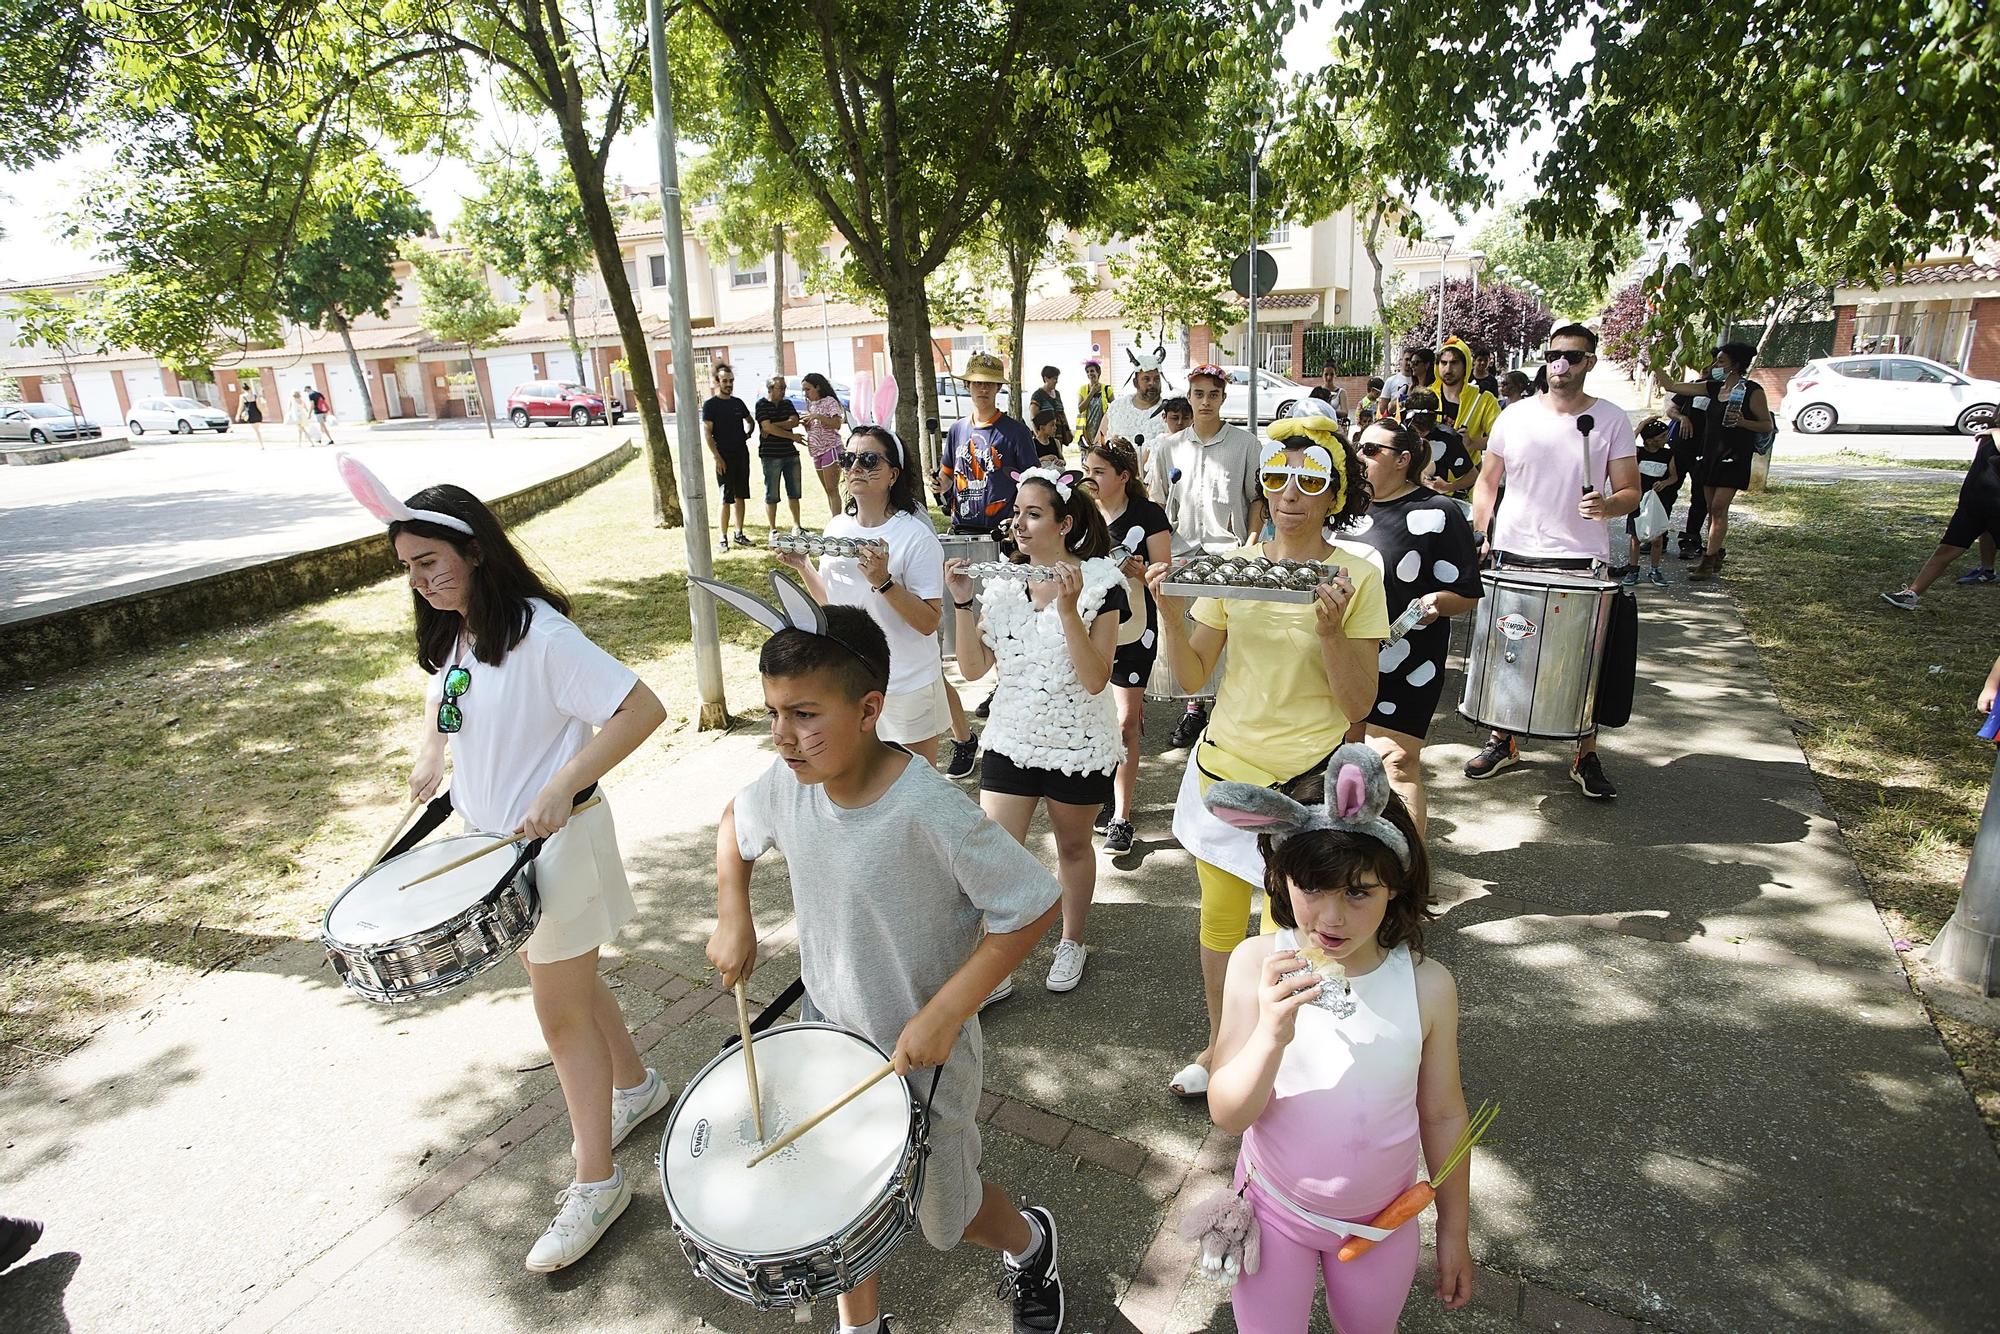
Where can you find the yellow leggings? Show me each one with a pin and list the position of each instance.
(1225, 908)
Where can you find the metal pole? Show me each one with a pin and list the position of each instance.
(1253, 360)
(1441, 267)
(694, 491)
(1967, 951)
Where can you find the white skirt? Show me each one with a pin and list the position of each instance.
(581, 881)
(915, 715)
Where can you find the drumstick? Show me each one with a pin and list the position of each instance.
(887, 1068)
(749, 1061)
(476, 855)
(397, 832)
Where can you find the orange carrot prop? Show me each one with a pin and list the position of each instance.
(1420, 1194)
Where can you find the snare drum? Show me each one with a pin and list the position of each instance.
(823, 1214)
(968, 547)
(1536, 651)
(391, 945)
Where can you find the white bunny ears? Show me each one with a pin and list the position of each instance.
(794, 610)
(1059, 482)
(1357, 792)
(381, 502)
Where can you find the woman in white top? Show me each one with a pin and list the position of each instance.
(1053, 734)
(533, 715)
(302, 418)
(901, 589)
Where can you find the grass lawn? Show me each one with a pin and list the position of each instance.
(175, 811)
(1883, 700)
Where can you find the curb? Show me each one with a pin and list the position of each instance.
(34, 647)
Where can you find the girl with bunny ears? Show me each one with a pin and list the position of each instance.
(1338, 1054)
(1053, 732)
(534, 714)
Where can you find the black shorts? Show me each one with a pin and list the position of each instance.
(1967, 525)
(997, 773)
(734, 475)
(1132, 664)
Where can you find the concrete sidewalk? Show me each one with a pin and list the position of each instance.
(1722, 1109)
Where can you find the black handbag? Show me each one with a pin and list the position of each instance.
(1618, 677)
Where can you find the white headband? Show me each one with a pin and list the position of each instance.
(381, 502)
(1059, 481)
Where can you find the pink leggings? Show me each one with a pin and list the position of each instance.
(1364, 1295)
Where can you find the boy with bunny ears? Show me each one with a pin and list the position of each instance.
(900, 944)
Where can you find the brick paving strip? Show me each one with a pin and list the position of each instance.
(1174, 1181)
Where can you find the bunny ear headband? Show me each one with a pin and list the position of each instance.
(1357, 792)
(1062, 482)
(795, 609)
(381, 502)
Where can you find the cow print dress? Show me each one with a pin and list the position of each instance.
(1426, 547)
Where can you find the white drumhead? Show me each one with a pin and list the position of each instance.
(809, 1191)
(377, 908)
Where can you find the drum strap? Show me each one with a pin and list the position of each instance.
(435, 814)
(533, 849)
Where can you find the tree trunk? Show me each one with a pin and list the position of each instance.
(1019, 271)
(778, 298)
(567, 299)
(927, 397)
(485, 408)
(907, 354)
(346, 333)
(1368, 236)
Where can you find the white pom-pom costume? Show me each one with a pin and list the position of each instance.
(1042, 717)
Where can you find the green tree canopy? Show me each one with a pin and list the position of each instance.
(529, 224)
(458, 307)
(1564, 267)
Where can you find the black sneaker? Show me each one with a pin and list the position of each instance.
(1499, 753)
(1588, 774)
(1188, 730)
(985, 709)
(1103, 820)
(959, 763)
(1035, 1289)
(1118, 837)
(19, 1235)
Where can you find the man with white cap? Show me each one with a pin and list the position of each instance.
(1136, 417)
(1205, 477)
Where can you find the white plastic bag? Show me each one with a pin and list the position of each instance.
(1651, 519)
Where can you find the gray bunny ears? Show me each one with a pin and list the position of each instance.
(1357, 792)
(794, 610)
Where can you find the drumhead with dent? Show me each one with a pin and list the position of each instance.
(809, 1191)
(377, 908)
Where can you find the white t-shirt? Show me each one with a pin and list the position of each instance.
(1544, 452)
(916, 561)
(527, 717)
(1126, 418)
(1395, 387)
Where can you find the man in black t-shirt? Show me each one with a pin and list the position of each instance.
(778, 450)
(726, 426)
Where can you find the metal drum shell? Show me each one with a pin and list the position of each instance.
(430, 962)
(969, 547)
(1536, 652)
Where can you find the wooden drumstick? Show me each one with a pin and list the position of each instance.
(749, 1060)
(397, 832)
(887, 1068)
(476, 855)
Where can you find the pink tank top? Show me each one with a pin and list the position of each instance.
(1339, 1135)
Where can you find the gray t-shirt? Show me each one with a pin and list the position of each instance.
(891, 900)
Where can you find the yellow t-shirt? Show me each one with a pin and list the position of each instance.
(1274, 707)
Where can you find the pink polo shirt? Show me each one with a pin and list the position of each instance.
(1548, 462)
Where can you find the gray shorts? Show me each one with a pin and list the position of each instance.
(953, 1190)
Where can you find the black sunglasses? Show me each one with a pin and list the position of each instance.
(867, 460)
(1572, 353)
(1372, 450)
(451, 718)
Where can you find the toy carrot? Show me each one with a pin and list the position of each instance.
(1420, 1194)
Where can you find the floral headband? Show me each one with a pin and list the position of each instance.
(1060, 482)
(1357, 792)
(381, 502)
(1212, 371)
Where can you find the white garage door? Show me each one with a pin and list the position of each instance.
(291, 379)
(99, 397)
(345, 393)
(144, 384)
(754, 364)
(507, 371)
(1066, 351)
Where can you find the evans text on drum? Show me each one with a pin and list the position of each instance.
(824, 1212)
(391, 944)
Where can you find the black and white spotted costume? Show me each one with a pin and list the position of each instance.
(1138, 646)
(1426, 547)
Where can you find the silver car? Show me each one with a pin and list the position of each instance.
(182, 416)
(45, 424)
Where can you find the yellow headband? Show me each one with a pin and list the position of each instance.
(1320, 434)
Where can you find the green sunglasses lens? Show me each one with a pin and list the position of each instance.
(456, 682)
(449, 718)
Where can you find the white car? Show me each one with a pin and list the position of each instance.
(1886, 393)
(1276, 396)
(182, 416)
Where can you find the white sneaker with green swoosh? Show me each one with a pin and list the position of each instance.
(583, 1213)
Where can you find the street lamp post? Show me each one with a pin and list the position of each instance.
(1441, 272)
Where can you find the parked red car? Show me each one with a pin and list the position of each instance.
(560, 400)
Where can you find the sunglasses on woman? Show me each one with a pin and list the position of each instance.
(1310, 482)
(1372, 450)
(451, 718)
(867, 460)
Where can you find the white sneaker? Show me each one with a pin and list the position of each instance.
(999, 993)
(582, 1215)
(1067, 970)
(631, 1106)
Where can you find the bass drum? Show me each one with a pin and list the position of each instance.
(1536, 654)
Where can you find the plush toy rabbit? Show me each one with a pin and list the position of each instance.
(1230, 1238)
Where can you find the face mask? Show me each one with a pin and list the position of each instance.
(1716, 373)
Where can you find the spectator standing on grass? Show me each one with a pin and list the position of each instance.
(727, 426)
(824, 419)
(1049, 399)
(1976, 519)
(778, 450)
(1092, 401)
(1737, 415)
